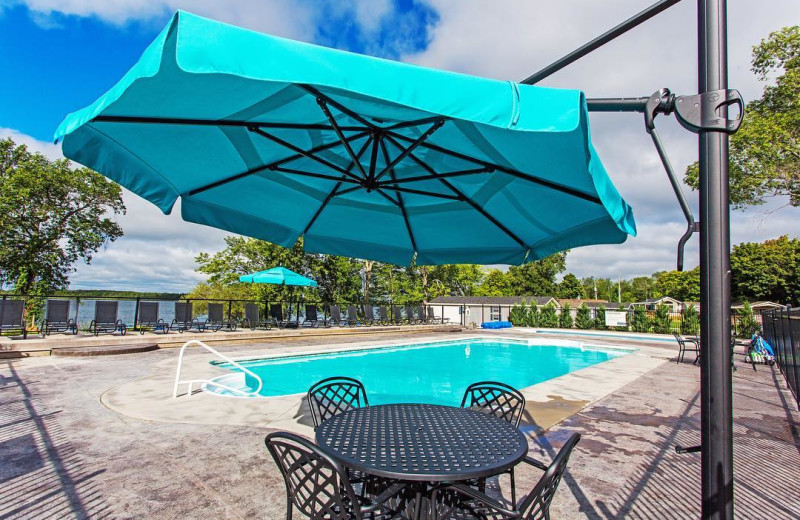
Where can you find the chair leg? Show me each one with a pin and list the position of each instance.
(513, 489)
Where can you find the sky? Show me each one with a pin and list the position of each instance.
(57, 56)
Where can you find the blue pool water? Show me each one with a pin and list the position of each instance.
(436, 373)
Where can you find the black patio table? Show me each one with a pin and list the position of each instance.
(422, 443)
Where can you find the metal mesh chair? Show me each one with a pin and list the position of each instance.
(335, 395)
(683, 347)
(461, 502)
(318, 486)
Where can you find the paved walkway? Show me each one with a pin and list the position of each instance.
(65, 455)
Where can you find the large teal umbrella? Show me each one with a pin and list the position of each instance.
(363, 157)
(278, 276)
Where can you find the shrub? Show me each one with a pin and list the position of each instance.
(548, 317)
(640, 321)
(532, 318)
(517, 315)
(565, 318)
(662, 323)
(600, 318)
(690, 325)
(748, 325)
(583, 319)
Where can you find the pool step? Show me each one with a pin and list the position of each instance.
(105, 350)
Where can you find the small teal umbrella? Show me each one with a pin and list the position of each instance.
(362, 157)
(278, 276)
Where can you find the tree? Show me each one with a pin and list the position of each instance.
(641, 321)
(583, 319)
(517, 315)
(570, 287)
(765, 152)
(496, 283)
(662, 321)
(532, 316)
(681, 285)
(748, 325)
(51, 216)
(565, 318)
(690, 324)
(767, 271)
(600, 318)
(537, 278)
(548, 318)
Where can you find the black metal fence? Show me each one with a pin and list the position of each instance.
(82, 309)
(782, 331)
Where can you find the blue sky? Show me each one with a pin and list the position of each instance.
(57, 56)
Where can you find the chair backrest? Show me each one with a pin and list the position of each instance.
(498, 399)
(276, 311)
(311, 312)
(398, 314)
(148, 312)
(58, 311)
(215, 312)
(105, 311)
(251, 313)
(315, 484)
(11, 312)
(409, 313)
(383, 312)
(352, 312)
(679, 339)
(183, 312)
(431, 315)
(336, 313)
(536, 506)
(369, 312)
(335, 395)
(421, 313)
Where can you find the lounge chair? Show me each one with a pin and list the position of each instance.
(336, 316)
(410, 315)
(421, 317)
(183, 318)
(311, 319)
(433, 319)
(57, 318)
(687, 345)
(106, 318)
(461, 500)
(216, 318)
(398, 315)
(369, 315)
(11, 317)
(276, 315)
(352, 316)
(252, 317)
(383, 314)
(149, 320)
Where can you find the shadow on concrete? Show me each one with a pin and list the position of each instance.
(42, 474)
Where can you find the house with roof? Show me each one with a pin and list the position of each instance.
(478, 309)
(650, 304)
(575, 304)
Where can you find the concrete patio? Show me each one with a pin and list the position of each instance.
(67, 455)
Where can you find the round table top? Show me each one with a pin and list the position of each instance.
(422, 442)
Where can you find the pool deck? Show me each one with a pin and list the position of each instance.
(68, 454)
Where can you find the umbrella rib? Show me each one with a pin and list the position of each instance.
(421, 192)
(418, 141)
(335, 189)
(341, 108)
(402, 204)
(273, 164)
(315, 175)
(466, 199)
(418, 178)
(217, 122)
(509, 171)
(340, 135)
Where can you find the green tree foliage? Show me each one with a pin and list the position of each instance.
(570, 287)
(681, 285)
(565, 317)
(662, 321)
(767, 271)
(600, 318)
(496, 283)
(532, 316)
(548, 317)
(583, 319)
(538, 278)
(690, 323)
(51, 216)
(765, 152)
(517, 315)
(747, 324)
(641, 321)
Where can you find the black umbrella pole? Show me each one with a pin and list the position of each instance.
(715, 331)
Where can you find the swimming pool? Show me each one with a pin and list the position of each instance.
(435, 373)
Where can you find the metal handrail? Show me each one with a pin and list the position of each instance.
(211, 382)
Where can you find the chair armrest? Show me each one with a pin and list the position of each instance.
(484, 499)
(535, 463)
(381, 499)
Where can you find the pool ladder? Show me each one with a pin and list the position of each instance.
(211, 382)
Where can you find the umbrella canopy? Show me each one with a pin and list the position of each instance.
(363, 157)
(278, 276)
